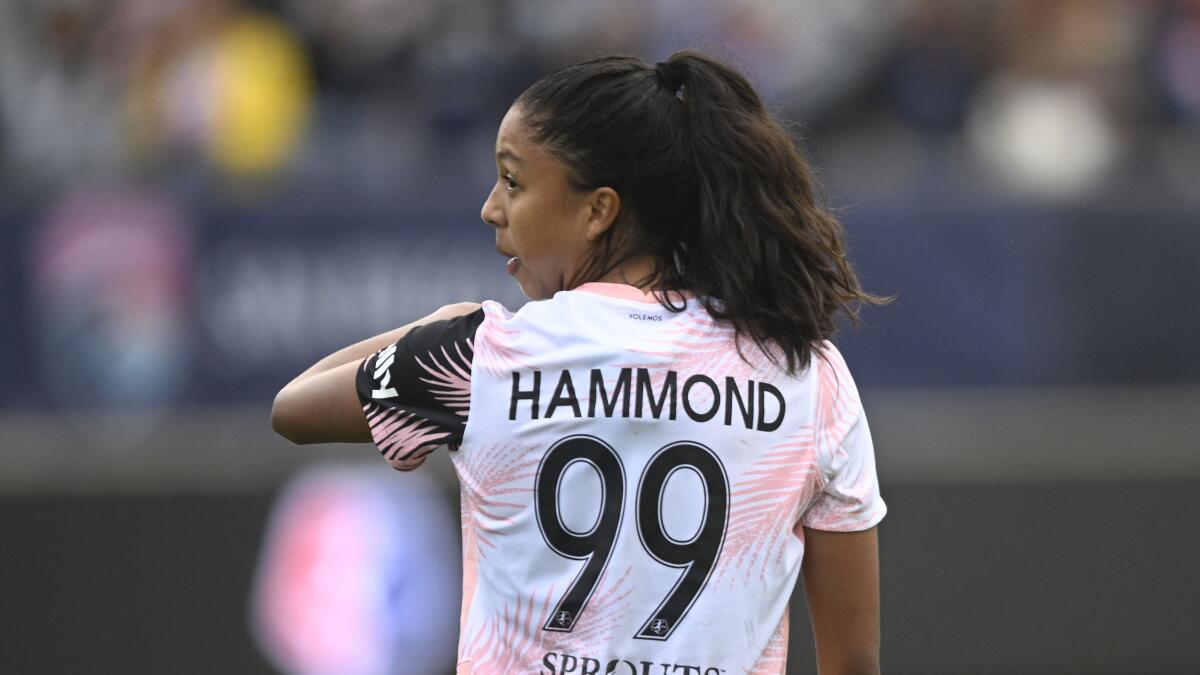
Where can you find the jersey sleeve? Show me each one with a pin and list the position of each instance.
(849, 500)
(416, 393)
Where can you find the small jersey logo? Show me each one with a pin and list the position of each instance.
(383, 376)
(659, 626)
(563, 618)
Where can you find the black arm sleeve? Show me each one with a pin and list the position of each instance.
(416, 393)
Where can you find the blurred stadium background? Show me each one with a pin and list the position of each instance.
(198, 198)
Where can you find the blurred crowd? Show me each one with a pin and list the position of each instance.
(1048, 99)
(205, 195)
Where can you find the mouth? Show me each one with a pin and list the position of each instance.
(514, 262)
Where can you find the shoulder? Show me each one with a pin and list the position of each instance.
(832, 374)
(493, 310)
(838, 405)
(451, 323)
(827, 354)
(461, 308)
(549, 314)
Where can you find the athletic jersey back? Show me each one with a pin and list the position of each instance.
(634, 490)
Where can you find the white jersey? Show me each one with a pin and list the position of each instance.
(634, 491)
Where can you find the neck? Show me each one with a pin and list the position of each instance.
(637, 271)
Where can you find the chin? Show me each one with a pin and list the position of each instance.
(535, 294)
(534, 290)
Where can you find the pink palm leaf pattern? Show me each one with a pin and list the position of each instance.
(512, 642)
(494, 350)
(825, 514)
(765, 505)
(604, 614)
(402, 438)
(516, 641)
(773, 660)
(449, 378)
(838, 404)
(491, 477)
(838, 409)
(697, 343)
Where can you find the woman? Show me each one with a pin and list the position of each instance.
(650, 453)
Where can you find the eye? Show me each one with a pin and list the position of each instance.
(510, 184)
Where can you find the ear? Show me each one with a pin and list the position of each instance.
(603, 207)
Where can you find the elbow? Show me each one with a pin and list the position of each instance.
(284, 419)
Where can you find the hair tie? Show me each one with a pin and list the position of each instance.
(666, 78)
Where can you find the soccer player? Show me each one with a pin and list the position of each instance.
(651, 452)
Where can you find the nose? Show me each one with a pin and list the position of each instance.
(491, 213)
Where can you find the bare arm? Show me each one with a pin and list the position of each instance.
(841, 585)
(321, 406)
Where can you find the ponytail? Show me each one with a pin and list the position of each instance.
(712, 187)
